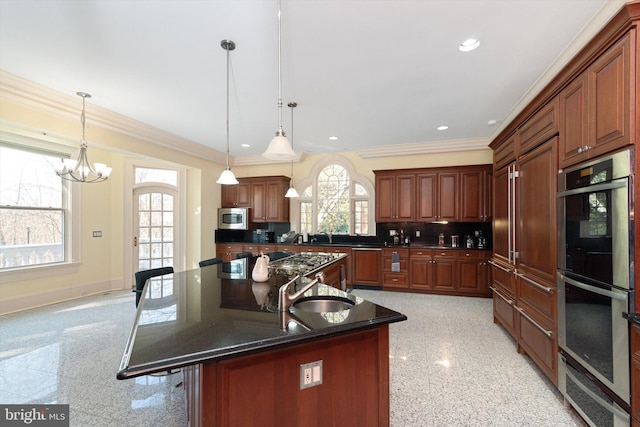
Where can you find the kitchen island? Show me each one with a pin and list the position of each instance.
(247, 363)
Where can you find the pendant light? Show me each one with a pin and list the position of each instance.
(279, 147)
(227, 177)
(81, 170)
(291, 192)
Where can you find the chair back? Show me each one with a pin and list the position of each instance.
(210, 261)
(143, 275)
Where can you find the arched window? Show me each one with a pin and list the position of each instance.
(334, 199)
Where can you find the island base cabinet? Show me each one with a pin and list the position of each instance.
(264, 388)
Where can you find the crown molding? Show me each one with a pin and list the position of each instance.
(430, 147)
(22, 91)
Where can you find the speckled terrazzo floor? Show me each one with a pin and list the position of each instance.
(450, 366)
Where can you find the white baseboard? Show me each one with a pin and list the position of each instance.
(58, 295)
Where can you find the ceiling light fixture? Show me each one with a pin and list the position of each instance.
(291, 192)
(279, 147)
(333, 138)
(227, 177)
(469, 45)
(81, 170)
(444, 127)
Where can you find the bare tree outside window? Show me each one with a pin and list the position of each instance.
(32, 208)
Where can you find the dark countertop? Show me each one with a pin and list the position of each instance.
(361, 245)
(201, 315)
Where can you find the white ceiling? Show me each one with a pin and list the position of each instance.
(373, 72)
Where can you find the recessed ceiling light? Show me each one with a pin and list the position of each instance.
(469, 45)
(443, 127)
(246, 145)
(492, 122)
(333, 138)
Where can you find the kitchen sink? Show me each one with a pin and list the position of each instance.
(323, 304)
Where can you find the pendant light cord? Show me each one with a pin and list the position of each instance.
(280, 131)
(228, 54)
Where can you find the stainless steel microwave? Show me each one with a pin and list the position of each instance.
(233, 218)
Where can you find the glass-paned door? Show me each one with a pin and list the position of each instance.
(154, 210)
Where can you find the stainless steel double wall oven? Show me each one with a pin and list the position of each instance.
(595, 287)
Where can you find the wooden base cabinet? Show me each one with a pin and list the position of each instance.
(264, 388)
(367, 266)
(635, 374)
(395, 279)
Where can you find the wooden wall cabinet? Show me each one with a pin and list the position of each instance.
(434, 194)
(264, 195)
(539, 128)
(595, 108)
(267, 199)
(237, 196)
(395, 197)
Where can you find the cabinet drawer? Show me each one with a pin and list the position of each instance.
(395, 280)
(420, 253)
(438, 253)
(288, 248)
(503, 278)
(539, 341)
(504, 312)
(538, 298)
(267, 248)
(250, 248)
(469, 254)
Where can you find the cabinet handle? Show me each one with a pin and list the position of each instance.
(536, 324)
(537, 285)
(507, 300)
(506, 270)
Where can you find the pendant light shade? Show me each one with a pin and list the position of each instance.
(291, 192)
(279, 147)
(80, 170)
(227, 177)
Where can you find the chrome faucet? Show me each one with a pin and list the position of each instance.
(285, 299)
(329, 236)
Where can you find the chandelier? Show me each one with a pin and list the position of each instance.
(80, 170)
(279, 147)
(227, 177)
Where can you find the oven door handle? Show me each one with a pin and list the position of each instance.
(600, 291)
(593, 188)
(611, 408)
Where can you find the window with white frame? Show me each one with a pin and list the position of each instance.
(334, 199)
(35, 210)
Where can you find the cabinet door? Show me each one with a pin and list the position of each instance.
(258, 201)
(448, 196)
(444, 271)
(471, 196)
(385, 198)
(540, 127)
(573, 121)
(609, 80)
(237, 196)
(405, 197)
(275, 209)
(366, 266)
(472, 272)
(538, 340)
(426, 196)
(420, 269)
(536, 236)
(501, 208)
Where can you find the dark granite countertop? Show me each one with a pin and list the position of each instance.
(204, 314)
(364, 245)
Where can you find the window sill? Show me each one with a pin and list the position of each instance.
(37, 272)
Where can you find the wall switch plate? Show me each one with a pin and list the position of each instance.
(310, 374)
(97, 234)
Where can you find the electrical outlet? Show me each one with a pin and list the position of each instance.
(310, 374)
(417, 233)
(97, 234)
